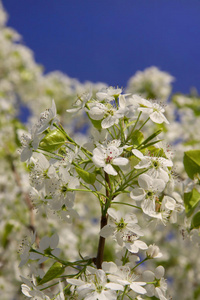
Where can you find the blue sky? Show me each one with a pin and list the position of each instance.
(109, 40)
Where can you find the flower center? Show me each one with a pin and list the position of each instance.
(149, 194)
(121, 225)
(109, 159)
(155, 164)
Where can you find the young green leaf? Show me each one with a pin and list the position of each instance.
(86, 176)
(191, 162)
(137, 138)
(54, 271)
(191, 200)
(53, 141)
(195, 223)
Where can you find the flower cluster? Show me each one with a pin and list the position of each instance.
(116, 161)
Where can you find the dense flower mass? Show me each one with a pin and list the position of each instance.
(61, 167)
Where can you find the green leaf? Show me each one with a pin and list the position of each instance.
(133, 161)
(95, 123)
(195, 223)
(191, 200)
(53, 141)
(137, 137)
(54, 271)
(191, 161)
(86, 176)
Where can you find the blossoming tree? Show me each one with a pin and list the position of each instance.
(100, 203)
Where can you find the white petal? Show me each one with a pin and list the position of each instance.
(132, 247)
(158, 117)
(148, 276)
(115, 214)
(144, 181)
(137, 288)
(137, 153)
(109, 267)
(96, 113)
(141, 245)
(77, 282)
(44, 243)
(122, 101)
(25, 290)
(159, 272)
(114, 286)
(110, 170)
(108, 122)
(144, 163)
(54, 239)
(120, 161)
(26, 154)
(159, 294)
(137, 194)
(158, 185)
(106, 231)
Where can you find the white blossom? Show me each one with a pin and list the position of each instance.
(105, 157)
(47, 118)
(160, 287)
(124, 276)
(148, 193)
(157, 166)
(125, 230)
(96, 286)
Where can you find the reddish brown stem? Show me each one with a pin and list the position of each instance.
(104, 221)
(101, 245)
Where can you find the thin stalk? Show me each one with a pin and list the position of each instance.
(124, 292)
(115, 202)
(132, 270)
(144, 123)
(111, 134)
(132, 130)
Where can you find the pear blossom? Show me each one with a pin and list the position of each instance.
(42, 171)
(49, 243)
(169, 203)
(108, 94)
(148, 193)
(153, 251)
(47, 118)
(30, 290)
(158, 288)
(157, 166)
(96, 110)
(81, 102)
(25, 249)
(105, 157)
(154, 110)
(124, 276)
(105, 112)
(113, 115)
(128, 106)
(96, 286)
(125, 230)
(30, 142)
